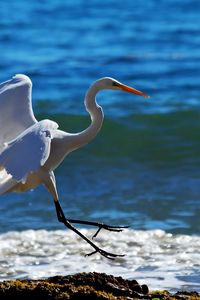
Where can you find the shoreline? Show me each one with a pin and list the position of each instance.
(90, 285)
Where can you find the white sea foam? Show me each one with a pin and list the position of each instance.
(156, 258)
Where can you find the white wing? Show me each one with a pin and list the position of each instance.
(29, 151)
(16, 113)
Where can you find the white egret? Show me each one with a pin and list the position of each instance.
(31, 150)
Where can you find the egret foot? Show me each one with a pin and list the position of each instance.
(67, 223)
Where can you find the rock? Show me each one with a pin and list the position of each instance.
(90, 286)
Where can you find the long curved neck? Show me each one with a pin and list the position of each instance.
(96, 114)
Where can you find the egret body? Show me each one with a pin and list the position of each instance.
(31, 150)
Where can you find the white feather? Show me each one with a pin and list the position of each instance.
(6, 181)
(15, 108)
(29, 151)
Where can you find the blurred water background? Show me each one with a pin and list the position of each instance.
(142, 169)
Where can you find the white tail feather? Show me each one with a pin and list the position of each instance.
(6, 182)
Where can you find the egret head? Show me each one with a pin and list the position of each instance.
(112, 84)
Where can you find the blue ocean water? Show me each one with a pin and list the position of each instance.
(142, 169)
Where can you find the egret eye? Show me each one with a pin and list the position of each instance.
(114, 83)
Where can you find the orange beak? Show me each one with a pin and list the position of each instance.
(129, 89)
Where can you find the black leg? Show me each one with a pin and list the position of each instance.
(67, 223)
(97, 224)
(100, 225)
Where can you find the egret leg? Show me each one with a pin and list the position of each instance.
(67, 223)
(97, 224)
(50, 183)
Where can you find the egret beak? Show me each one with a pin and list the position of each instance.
(129, 89)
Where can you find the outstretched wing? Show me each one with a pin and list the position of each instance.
(16, 113)
(29, 151)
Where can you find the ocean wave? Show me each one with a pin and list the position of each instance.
(154, 257)
(171, 137)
